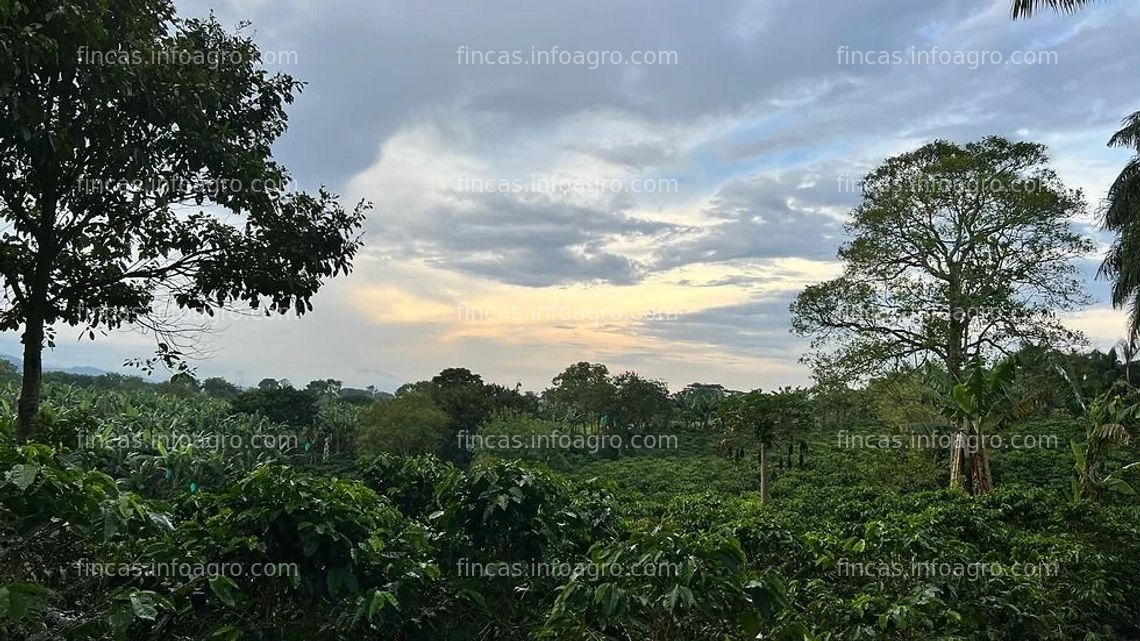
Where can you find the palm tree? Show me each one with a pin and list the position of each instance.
(763, 418)
(1122, 216)
(1126, 351)
(1026, 8)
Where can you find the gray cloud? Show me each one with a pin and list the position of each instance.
(758, 328)
(522, 238)
(759, 117)
(761, 218)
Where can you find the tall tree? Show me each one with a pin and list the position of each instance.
(324, 389)
(463, 396)
(136, 176)
(1122, 217)
(640, 402)
(1124, 353)
(697, 403)
(585, 387)
(219, 387)
(956, 252)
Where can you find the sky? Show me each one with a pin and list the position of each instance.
(651, 191)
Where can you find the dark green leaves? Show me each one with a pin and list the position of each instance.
(225, 589)
(956, 252)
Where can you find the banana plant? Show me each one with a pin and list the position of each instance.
(979, 403)
(1108, 419)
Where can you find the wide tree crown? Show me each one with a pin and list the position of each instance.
(136, 168)
(956, 252)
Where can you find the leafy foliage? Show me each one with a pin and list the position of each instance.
(408, 424)
(956, 252)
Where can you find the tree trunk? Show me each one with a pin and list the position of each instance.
(982, 481)
(762, 462)
(28, 407)
(955, 465)
(969, 464)
(1088, 475)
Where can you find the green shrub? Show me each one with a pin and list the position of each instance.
(412, 483)
(282, 405)
(336, 545)
(409, 425)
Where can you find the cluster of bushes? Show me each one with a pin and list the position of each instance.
(317, 557)
(414, 548)
(109, 530)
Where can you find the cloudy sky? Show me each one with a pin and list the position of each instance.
(656, 217)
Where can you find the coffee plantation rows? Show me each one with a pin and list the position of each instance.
(150, 514)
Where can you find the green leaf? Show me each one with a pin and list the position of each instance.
(142, 605)
(1117, 484)
(225, 589)
(227, 633)
(18, 599)
(111, 522)
(341, 581)
(964, 399)
(23, 475)
(608, 596)
(1078, 455)
(380, 599)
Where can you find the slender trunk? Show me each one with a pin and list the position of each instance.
(958, 459)
(955, 470)
(28, 407)
(1088, 477)
(762, 462)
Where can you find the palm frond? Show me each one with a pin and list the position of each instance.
(1122, 262)
(1129, 134)
(1026, 8)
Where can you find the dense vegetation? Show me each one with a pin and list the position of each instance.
(144, 512)
(958, 471)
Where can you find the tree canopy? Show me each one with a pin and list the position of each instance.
(136, 177)
(956, 251)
